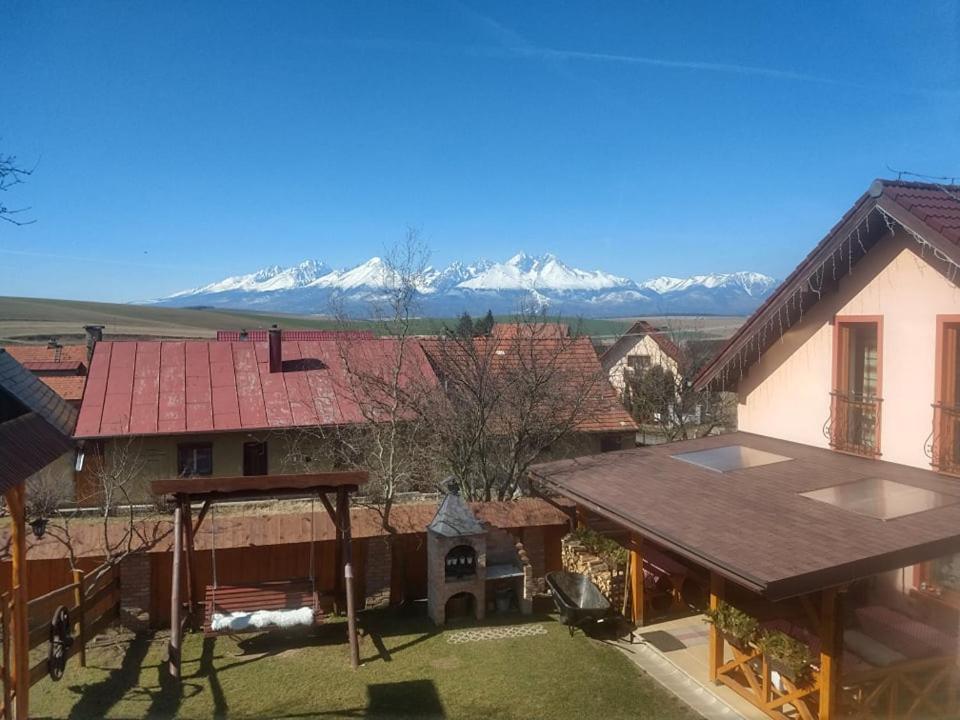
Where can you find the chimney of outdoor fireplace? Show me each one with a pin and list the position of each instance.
(94, 335)
(276, 349)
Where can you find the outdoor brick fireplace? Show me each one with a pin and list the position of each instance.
(456, 560)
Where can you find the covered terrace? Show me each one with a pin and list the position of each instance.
(816, 546)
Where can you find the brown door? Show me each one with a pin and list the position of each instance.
(255, 458)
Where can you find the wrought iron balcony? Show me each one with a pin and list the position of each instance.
(854, 424)
(945, 446)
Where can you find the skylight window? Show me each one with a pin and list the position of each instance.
(881, 499)
(731, 457)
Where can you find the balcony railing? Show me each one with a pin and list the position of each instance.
(854, 424)
(945, 450)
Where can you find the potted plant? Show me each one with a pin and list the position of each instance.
(786, 655)
(737, 628)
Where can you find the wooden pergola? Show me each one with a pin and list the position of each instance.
(35, 430)
(762, 544)
(333, 489)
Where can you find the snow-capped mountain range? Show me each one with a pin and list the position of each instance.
(313, 287)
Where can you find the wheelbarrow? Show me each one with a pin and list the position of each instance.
(579, 602)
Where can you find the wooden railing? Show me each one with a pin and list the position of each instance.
(854, 424)
(93, 601)
(909, 690)
(945, 443)
(749, 675)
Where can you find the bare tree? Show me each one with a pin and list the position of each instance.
(511, 399)
(663, 397)
(111, 477)
(12, 173)
(391, 387)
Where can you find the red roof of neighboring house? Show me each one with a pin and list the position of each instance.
(927, 210)
(257, 335)
(69, 387)
(65, 368)
(575, 357)
(168, 387)
(28, 354)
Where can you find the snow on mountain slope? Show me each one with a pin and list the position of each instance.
(475, 287)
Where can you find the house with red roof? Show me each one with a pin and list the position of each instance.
(640, 348)
(229, 408)
(63, 368)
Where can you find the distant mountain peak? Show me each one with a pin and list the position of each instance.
(310, 285)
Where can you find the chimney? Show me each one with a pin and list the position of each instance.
(276, 349)
(94, 335)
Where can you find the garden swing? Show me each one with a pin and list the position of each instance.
(233, 609)
(278, 604)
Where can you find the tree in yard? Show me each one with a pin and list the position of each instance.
(509, 400)
(111, 480)
(12, 173)
(388, 381)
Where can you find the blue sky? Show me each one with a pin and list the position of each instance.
(176, 143)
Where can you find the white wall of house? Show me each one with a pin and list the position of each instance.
(616, 363)
(787, 394)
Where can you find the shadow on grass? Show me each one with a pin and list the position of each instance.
(97, 698)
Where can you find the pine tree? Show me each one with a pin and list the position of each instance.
(484, 326)
(465, 327)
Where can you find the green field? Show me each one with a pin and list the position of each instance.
(33, 320)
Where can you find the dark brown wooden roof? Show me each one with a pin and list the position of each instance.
(752, 525)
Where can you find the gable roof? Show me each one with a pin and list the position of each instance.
(36, 426)
(22, 386)
(639, 329)
(575, 357)
(173, 387)
(928, 212)
(69, 387)
(68, 354)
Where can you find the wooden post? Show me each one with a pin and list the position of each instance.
(81, 611)
(191, 566)
(5, 613)
(338, 558)
(343, 513)
(20, 633)
(638, 601)
(173, 651)
(715, 643)
(831, 648)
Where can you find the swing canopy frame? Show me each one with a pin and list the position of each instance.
(332, 489)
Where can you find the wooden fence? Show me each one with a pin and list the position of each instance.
(93, 601)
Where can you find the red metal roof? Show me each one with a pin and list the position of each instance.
(260, 335)
(167, 387)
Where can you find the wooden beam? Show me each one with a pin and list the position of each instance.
(343, 512)
(245, 484)
(173, 650)
(329, 508)
(193, 590)
(21, 649)
(831, 649)
(201, 515)
(715, 642)
(637, 599)
(80, 601)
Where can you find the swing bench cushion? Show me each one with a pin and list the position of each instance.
(270, 596)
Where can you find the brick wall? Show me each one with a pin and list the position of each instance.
(135, 592)
(378, 575)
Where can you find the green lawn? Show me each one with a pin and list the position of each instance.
(408, 670)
